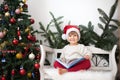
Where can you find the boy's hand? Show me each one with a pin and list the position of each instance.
(87, 57)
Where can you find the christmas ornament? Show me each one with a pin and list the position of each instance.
(7, 14)
(3, 78)
(29, 36)
(12, 13)
(24, 1)
(25, 6)
(21, 9)
(36, 65)
(19, 55)
(3, 60)
(13, 20)
(33, 75)
(31, 56)
(15, 41)
(29, 74)
(2, 34)
(38, 56)
(13, 72)
(26, 49)
(22, 71)
(17, 11)
(19, 34)
(32, 21)
(33, 38)
(6, 8)
(27, 29)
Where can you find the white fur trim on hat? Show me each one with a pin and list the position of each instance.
(63, 36)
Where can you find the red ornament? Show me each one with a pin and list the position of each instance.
(32, 21)
(19, 34)
(13, 72)
(36, 65)
(22, 71)
(25, 6)
(12, 20)
(33, 38)
(26, 49)
(38, 57)
(6, 8)
(15, 41)
(29, 37)
(3, 78)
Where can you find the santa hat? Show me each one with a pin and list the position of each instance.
(68, 29)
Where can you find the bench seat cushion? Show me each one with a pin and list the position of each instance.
(79, 75)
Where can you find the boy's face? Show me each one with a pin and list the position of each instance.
(73, 38)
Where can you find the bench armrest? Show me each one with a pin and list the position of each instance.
(44, 50)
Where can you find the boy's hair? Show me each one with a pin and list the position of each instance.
(72, 33)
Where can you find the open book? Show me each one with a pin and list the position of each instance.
(71, 63)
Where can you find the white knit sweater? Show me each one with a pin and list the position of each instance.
(73, 52)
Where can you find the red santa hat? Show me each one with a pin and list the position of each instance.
(68, 29)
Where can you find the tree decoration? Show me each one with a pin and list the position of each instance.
(31, 56)
(3, 78)
(25, 6)
(3, 60)
(38, 57)
(7, 14)
(13, 20)
(2, 34)
(29, 74)
(24, 1)
(19, 55)
(22, 71)
(15, 41)
(21, 9)
(29, 36)
(33, 38)
(26, 49)
(19, 34)
(27, 29)
(36, 65)
(11, 13)
(32, 21)
(6, 8)
(13, 72)
(18, 11)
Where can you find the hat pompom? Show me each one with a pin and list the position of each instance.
(64, 36)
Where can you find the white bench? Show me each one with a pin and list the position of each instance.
(104, 70)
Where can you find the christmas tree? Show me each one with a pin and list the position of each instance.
(19, 51)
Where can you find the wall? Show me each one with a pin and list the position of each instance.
(76, 11)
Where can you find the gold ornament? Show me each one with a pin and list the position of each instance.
(21, 9)
(29, 74)
(27, 29)
(24, 1)
(19, 55)
(2, 45)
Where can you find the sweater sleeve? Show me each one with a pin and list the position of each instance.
(86, 51)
